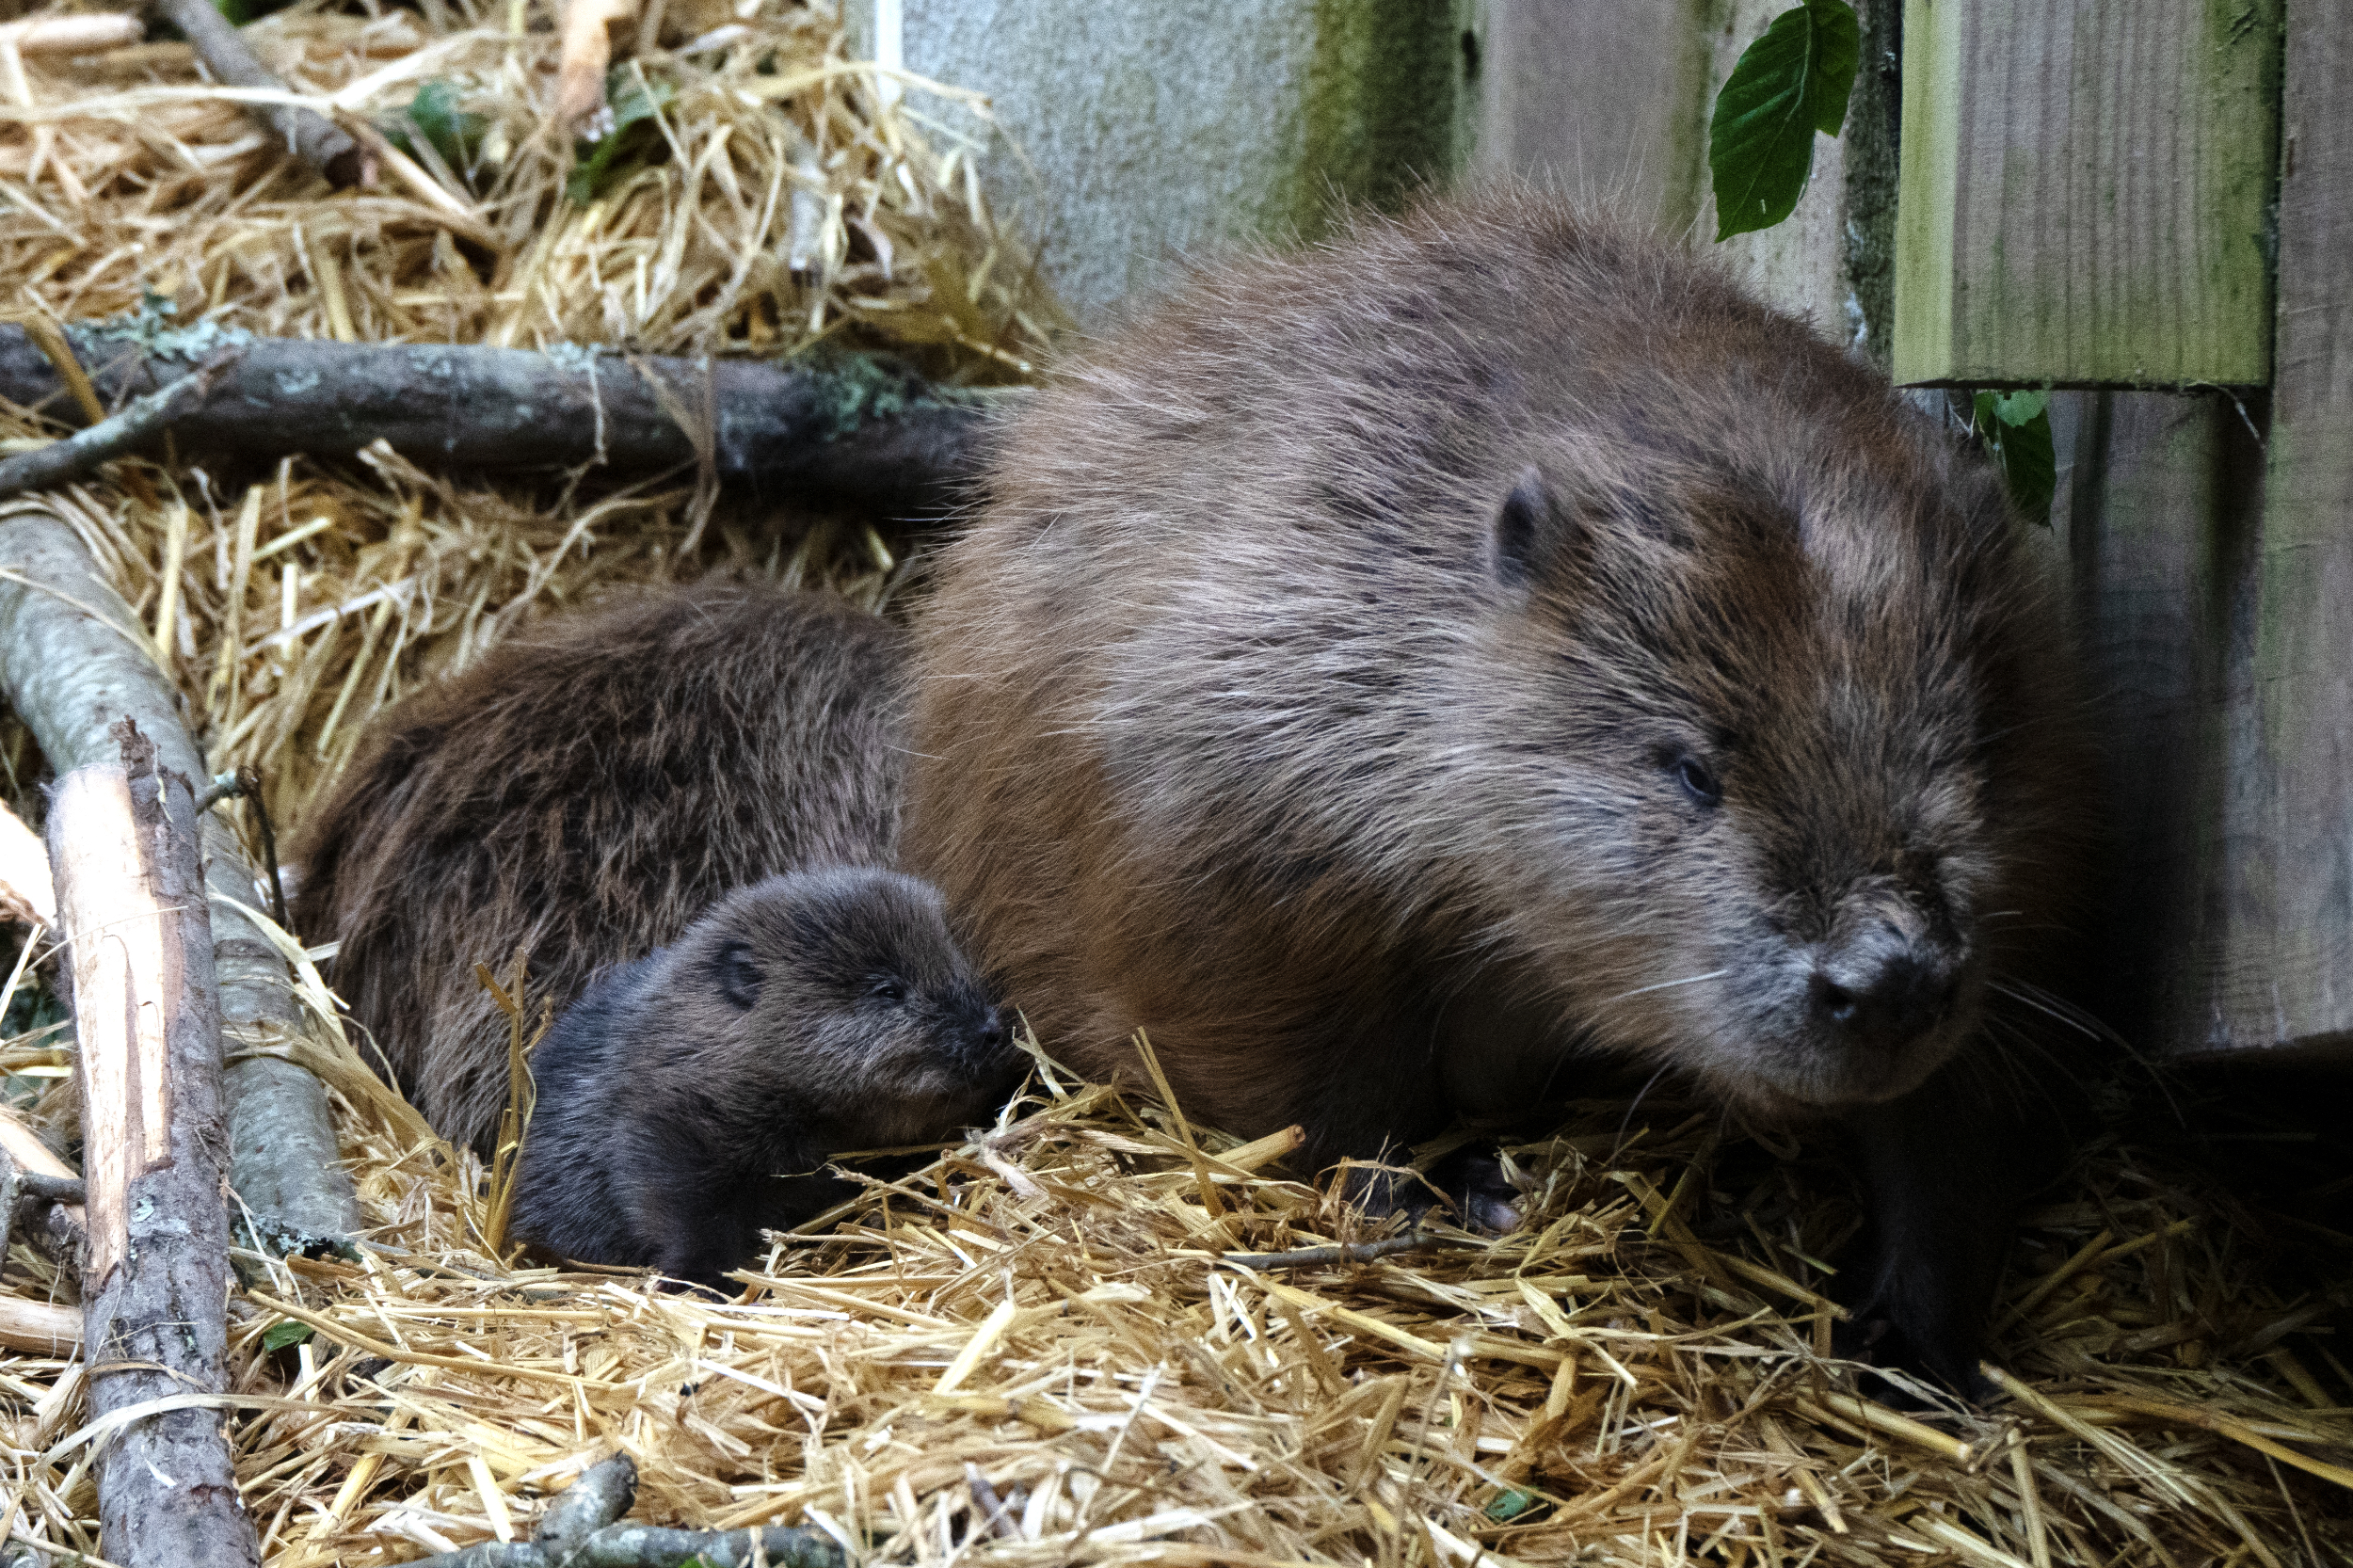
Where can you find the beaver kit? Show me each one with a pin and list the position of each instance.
(582, 794)
(692, 1098)
(1390, 674)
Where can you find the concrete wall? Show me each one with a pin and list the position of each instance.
(1154, 129)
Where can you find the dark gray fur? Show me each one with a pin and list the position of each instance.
(692, 1098)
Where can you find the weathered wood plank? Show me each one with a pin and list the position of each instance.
(2288, 973)
(2084, 191)
(2215, 581)
(2159, 506)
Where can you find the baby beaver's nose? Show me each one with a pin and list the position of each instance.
(991, 1038)
(1880, 998)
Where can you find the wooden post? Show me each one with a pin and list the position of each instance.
(2086, 191)
(130, 892)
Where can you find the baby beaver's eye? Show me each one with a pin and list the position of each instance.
(888, 990)
(1697, 781)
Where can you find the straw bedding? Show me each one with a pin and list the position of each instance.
(1052, 1344)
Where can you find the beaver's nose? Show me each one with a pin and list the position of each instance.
(1881, 996)
(990, 1039)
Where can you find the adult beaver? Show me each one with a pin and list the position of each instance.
(1387, 672)
(692, 1098)
(586, 790)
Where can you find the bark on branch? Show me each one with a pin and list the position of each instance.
(129, 886)
(860, 433)
(309, 136)
(143, 419)
(579, 1530)
(72, 663)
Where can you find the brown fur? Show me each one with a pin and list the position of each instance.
(584, 792)
(691, 1099)
(1317, 688)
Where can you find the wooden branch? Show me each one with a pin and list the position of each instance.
(24, 1146)
(51, 1188)
(131, 900)
(308, 134)
(145, 419)
(579, 1530)
(73, 660)
(862, 433)
(606, 1492)
(47, 1207)
(651, 1546)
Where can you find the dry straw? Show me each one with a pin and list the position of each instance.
(1063, 1340)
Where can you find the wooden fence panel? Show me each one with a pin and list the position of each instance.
(2086, 192)
(2159, 507)
(2290, 976)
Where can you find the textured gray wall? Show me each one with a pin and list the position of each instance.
(1151, 129)
(1156, 129)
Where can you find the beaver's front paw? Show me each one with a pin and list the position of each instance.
(1471, 1187)
(1914, 1320)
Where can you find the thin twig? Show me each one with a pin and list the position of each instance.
(1351, 1252)
(246, 784)
(42, 1201)
(50, 1189)
(62, 462)
(307, 134)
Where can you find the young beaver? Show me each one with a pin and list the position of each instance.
(587, 789)
(1388, 672)
(691, 1098)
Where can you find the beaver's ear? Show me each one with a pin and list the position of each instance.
(739, 975)
(1533, 532)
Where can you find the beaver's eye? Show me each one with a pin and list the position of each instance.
(1698, 782)
(739, 975)
(889, 990)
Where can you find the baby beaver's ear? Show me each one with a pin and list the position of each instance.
(739, 975)
(1534, 533)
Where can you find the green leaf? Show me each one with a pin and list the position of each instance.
(2015, 430)
(2018, 407)
(1511, 1505)
(637, 106)
(1790, 83)
(279, 1335)
(434, 114)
